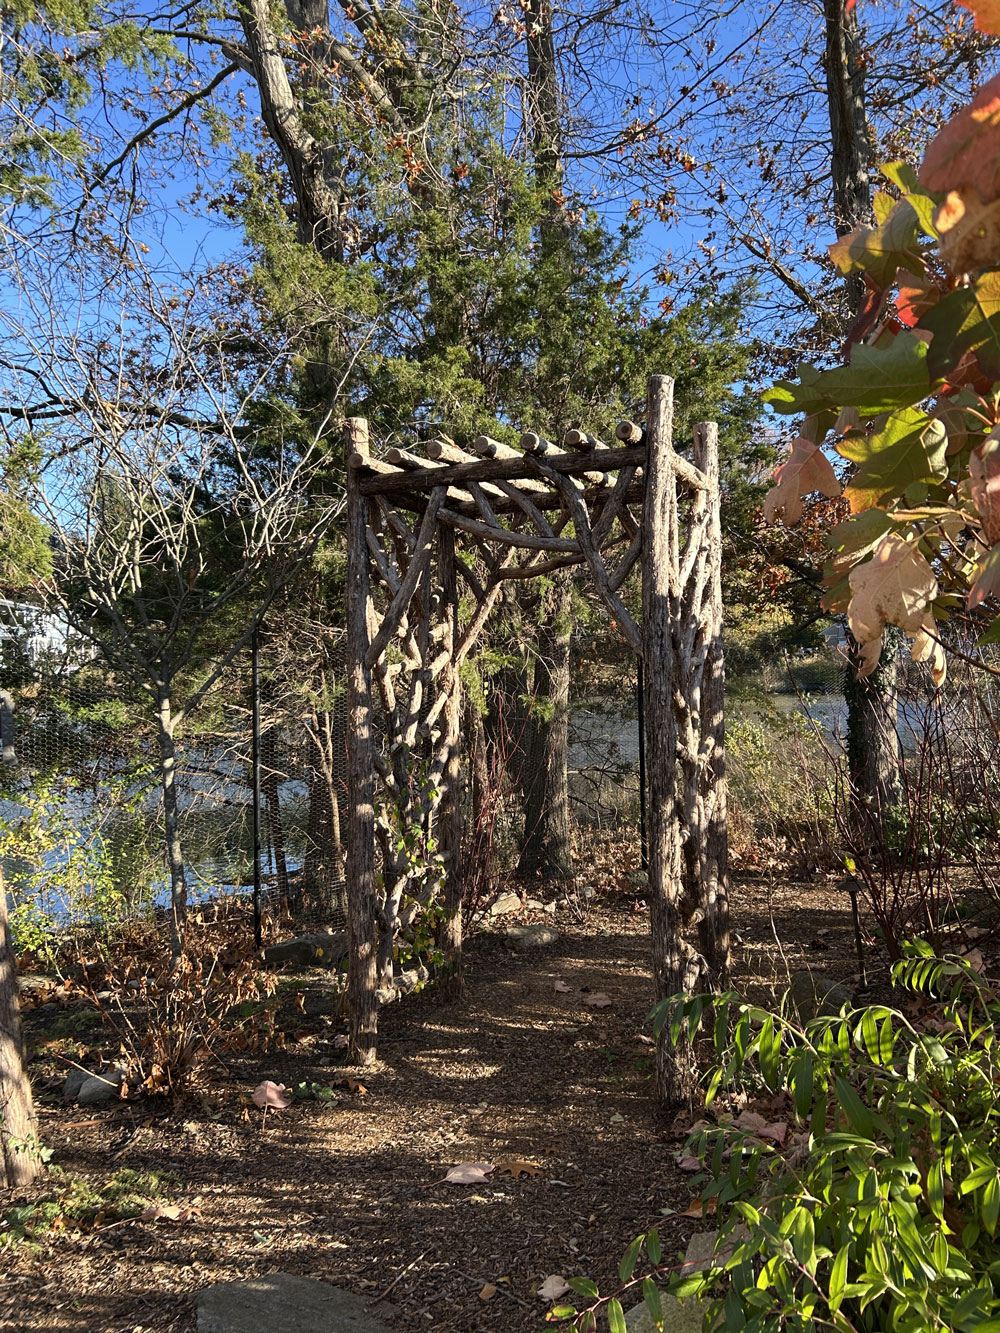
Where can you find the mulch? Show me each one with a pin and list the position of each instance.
(350, 1191)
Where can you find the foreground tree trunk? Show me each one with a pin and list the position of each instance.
(19, 1158)
(545, 845)
(872, 740)
(172, 824)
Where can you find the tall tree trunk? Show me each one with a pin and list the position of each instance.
(272, 805)
(171, 823)
(545, 845)
(872, 703)
(20, 1161)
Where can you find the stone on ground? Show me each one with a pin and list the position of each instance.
(814, 994)
(505, 904)
(99, 1088)
(677, 1318)
(531, 937)
(316, 950)
(284, 1303)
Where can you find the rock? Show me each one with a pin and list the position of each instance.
(317, 950)
(505, 904)
(677, 1318)
(534, 905)
(283, 1303)
(97, 1089)
(75, 1080)
(814, 994)
(700, 1251)
(531, 937)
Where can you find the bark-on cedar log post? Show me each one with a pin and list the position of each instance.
(20, 1161)
(362, 974)
(450, 814)
(713, 929)
(682, 668)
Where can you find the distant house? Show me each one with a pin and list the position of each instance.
(33, 630)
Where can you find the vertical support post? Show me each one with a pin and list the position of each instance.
(713, 929)
(674, 967)
(361, 903)
(258, 933)
(20, 1161)
(641, 728)
(451, 823)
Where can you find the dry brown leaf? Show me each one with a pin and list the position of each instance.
(170, 1212)
(643, 1040)
(520, 1169)
(468, 1173)
(271, 1096)
(688, 1163)
(699, 1208)
(488, 1292)
(597, 1000)
(777, 1130)
(805, 470)
(554, 1286)
(560, 987)
(750, 1120)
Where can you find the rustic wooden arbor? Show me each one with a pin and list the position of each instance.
(416, 605)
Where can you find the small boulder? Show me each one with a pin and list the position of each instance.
(75, 1080)
(316, 950)
(505, 904)
(100, 1088)
(677, 1318)
(526, 938)
(813, 995)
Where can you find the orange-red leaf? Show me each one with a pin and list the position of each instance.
(987, 14)
(965, 152)
(806, 469)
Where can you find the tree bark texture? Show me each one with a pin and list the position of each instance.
(872, 736)
(545, 845)
(19, 1158)
(450, 814)
(362, 909)
(682, 675)
(172, 824)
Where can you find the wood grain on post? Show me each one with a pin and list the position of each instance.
(672, 965)
(20, 1161)
(451, 811)
(713, 929)
(362, 910)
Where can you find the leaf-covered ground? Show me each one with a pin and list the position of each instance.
(522, 1074)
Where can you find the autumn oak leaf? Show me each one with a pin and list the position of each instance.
(895, 587)
(986, 12)
(984, 468)
(807, 469)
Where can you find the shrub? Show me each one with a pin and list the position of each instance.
(867, 1197)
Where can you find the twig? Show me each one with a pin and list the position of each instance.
(413, 1263)
(478, 1281)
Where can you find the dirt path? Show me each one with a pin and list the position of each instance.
(345, 1192)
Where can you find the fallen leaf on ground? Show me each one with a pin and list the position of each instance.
(777, 1131)
(271, 1095)
(553, 1287)
(750, 1120)
(560, 987)
(688, 1163)
(699, 1208)
(352, 1085)
(975, 959)
(643, 1040)
(597, 1000)
(170, 1212)
(520, 1169)
(488, 1292)
(468, 1173)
